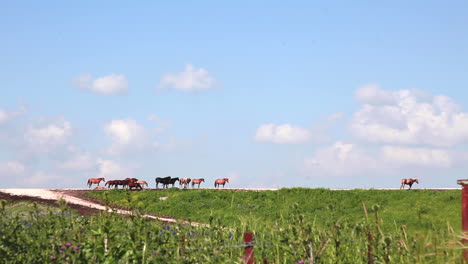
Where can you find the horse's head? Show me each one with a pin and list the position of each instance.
(416, 181)
(202, 180)
(226, 179)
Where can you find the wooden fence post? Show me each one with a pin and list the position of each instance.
(370, 248)
(464, 184)
(182, 247)
(248, 248)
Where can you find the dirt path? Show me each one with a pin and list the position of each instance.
(75, 199)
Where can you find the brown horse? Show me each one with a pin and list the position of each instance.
(131, 179)
(408, 182)
(185, 182)
(111, 183)
(142, 183)
(133, 184)
(221, 181)
(95, 181)
(197, 181)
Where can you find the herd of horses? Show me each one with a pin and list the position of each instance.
(133, 183)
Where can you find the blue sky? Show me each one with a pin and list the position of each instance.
(268, 93)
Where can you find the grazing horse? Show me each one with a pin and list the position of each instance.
(131, 179)
(96, 181)
(163, 180)
(408, 182)
(136, 185)
(111, 183)
(124, 183)
(142, 183)
(172, 181)
(220, 181)
(185, 182)
(197, 181)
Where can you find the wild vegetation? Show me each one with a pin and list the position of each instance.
(418, 210)
(320, 225)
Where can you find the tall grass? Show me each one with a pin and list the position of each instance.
(59, 236)
(419, 210)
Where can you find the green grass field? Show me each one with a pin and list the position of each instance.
(289, 226)
(419, 210)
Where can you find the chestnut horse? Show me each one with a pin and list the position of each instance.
(134, 184)
(197, 181)
(96, 181)
(220, 181)
(185, 182)
(111, 183)
(142, 183)
(408, 182)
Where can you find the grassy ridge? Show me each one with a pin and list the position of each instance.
(287, 224)
(419, 210)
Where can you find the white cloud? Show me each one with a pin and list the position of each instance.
(81, 162)
(348, 159)
(110, 169)
(42, 179)
(335, 117)
(48, 136)
(372, 94)
(409, 117)
(6, 115)
(424, 157)
(282, 134)
(3, 116)
(190, 80)
(127, 136)
(341, 159)
(109, 84)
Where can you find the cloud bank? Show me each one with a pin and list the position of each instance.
(408, 117)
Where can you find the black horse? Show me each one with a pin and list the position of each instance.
(172, 181)
(166, 181)
(163, 180)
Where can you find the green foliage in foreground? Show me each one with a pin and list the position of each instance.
(62, 237)
(419, 210)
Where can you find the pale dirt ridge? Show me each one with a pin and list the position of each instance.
(57, 195)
